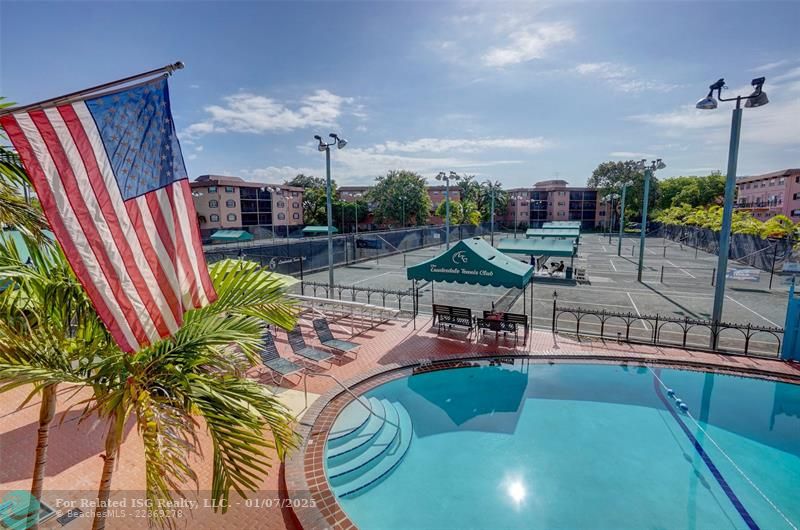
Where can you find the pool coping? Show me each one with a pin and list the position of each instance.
(305, 467)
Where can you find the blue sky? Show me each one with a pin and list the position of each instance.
(518, 92)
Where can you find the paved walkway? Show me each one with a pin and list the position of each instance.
(74, 462)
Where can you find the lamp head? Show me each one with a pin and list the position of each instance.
(758, 98)
(321, 147)
(441, 176)
(708, 102)
(660, 164)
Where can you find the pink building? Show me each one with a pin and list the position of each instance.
(770, 194)
(554, 200)
(233, 203)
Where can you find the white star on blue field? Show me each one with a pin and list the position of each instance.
(517, 92)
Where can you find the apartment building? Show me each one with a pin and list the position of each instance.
(770, 194)
(233, 203)
(554, 200)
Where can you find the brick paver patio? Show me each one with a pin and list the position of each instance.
(74, 461)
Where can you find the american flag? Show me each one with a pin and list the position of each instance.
(109, 174)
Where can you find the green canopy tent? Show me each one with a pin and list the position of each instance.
(319, 230)
(540, 246)
(558, 233)
(231, 236)
(562, 224)
(474, 261)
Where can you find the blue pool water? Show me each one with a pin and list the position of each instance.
(578, 446)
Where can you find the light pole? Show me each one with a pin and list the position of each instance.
(442, 176)
(757, 99)
(356, 196)
(492, 187)
(403, 203)
(648, 174)
(622, 218)
(326, 147)
(516, 198)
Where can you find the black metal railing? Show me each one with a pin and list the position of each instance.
(354, 293)
(618, 326)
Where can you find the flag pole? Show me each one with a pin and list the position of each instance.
(168, 69)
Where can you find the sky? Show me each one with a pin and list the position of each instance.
(517, 92)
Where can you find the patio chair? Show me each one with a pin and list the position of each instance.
(273, 360)
(328, 340)
(299, 347)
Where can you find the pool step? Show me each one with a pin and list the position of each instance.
(353, 417)
(360, 435)
(361, 461)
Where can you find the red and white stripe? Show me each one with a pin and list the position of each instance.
(141, 260)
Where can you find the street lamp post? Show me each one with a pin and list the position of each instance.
(326, 147)
(442, 176)
(648, 174)
(621, 219)
(516, 198)
(356, 196)
(491, 211)
(757, 99)
(403, 204)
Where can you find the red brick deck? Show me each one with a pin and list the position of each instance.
(74, 453)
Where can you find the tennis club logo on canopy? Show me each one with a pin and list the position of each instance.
(460, 257)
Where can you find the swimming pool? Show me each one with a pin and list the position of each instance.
(569, 446)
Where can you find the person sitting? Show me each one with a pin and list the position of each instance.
(561, 267)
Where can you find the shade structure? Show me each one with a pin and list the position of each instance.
(473, 261)
(538, 247)
(316, 230)
(562, 224)
(231, 235)
(558, 233)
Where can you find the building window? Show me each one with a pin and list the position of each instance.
(780, 181)
(561, 203)
(797, 179)
(295, 205)
(281, 216)
(213, 204)
(231, 217)
(796, 196)
(212, 189)
(228, 189)
(214, 218)
(201, 219)
(280, 204)
(230, 203)
(295, 215)
(295, 194)
(561, 214)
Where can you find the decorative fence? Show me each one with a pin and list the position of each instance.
(657, 329)
(394, 298)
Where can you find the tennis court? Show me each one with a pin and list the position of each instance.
(676, 282)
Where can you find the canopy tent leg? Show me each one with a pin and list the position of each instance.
(433, 299)
(524, 303)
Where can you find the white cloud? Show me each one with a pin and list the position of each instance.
(277, 174)
(793, 73)
(441, 145)
(621, 77)
(771, 66)
(630, 155)
(194, 86)
(252, 113)
(527, 43)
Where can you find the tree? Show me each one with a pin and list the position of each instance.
(461, 212)
(778, 226)
(199, 372)
(344, 212)
(49, 334)
(315, 209)
(484, 203)
(692, 191)
(609, 177)
(15, 211)
(469, 189)
(400, 192)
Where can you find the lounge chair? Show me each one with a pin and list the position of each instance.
(273, 360)
(328, 340)
(299, 347)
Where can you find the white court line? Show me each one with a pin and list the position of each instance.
(682, 270)
(756, 314)
(637, 309)
(604, 248)
(373, 277)
(612, 264)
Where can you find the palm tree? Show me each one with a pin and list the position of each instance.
(49, 333)
(15, 210)
(200, 372)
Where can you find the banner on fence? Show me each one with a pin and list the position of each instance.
(369, 243)
(275, 262)
(746, 275)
